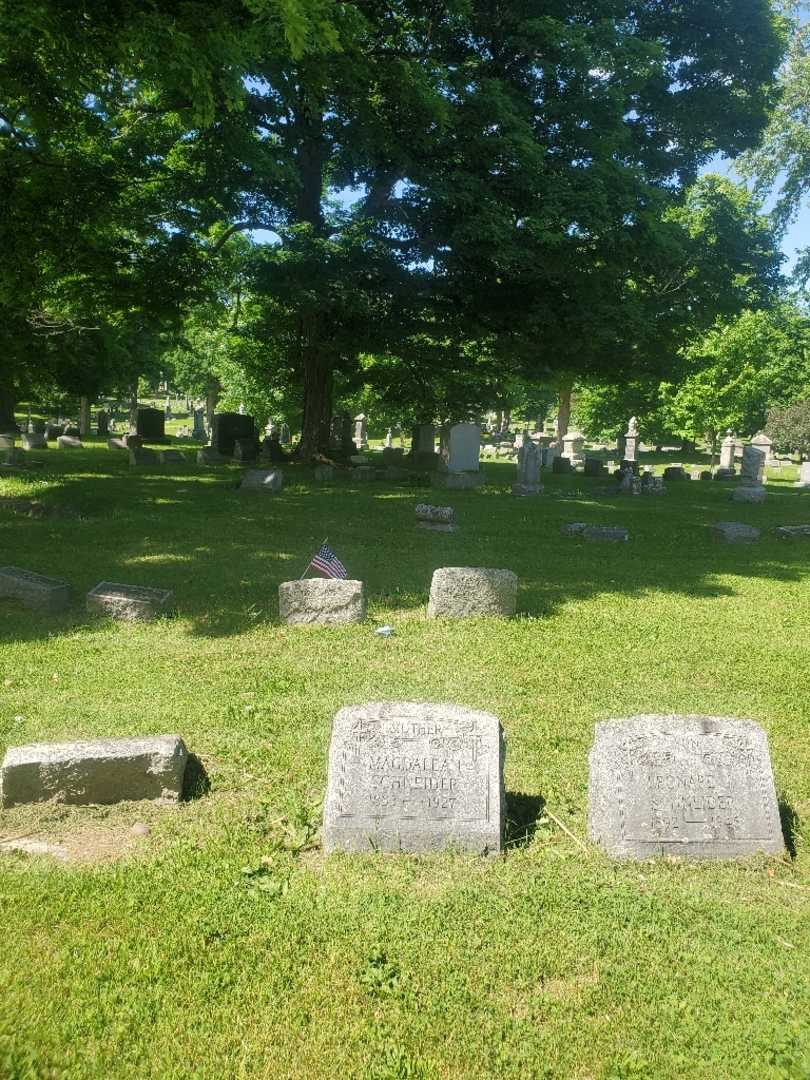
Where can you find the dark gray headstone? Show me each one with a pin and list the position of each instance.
(228, 427)
(129, 602)
(413, 777)
(34, 590)
(697, 786)
(142, 455)
(34, 442)
(151, 424)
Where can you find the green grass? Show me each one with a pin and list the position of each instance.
(162, 957)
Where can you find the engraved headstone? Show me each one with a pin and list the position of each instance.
(436, 518)
(736, 532)
(463, 448)
(142, 455)
(228, 427)
(360, 431)
(321, 601)
(129, 602)
(267, 480)
(727, 454)
(528, 470)
(458, 592)
(753, 464)
(697, 786)
(804, 475)
(34, 590)
(151, 424)
(415, 777)
(573, 447)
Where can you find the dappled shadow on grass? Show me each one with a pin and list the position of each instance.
(523, 813)
(224, 552)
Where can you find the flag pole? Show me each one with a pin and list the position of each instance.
(310, 561)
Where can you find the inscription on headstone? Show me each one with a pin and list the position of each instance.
(697, 786)
(412, 777)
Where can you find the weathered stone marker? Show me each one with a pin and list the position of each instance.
(458, 592)
(437, 518)
(698, 786)
(267, 480)
(99, 771)
(321, 601)
(34, 442)
(68, 442)
(34, 590)
(736, 532)
(129, 602)
(412, 777)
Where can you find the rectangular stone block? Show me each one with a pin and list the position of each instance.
(321, 601)
(459, 592)
(415, 777)
(35, 590)
(209, 455)
(171, 457)
(697, 786)
(97, 771)
(34, 442)
(142, 455)
(151, 424)
(269, 480)
(129, 602)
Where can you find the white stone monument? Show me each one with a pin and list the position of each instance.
(463, 448)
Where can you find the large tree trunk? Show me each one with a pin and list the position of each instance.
(317, 416)
(7, 402)
(84, 416)
(133, 409)
(563, 415)
(212, 394)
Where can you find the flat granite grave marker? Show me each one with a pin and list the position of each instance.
(321, 601)
(34, 590)
(129, 602)
(697, 786)
(437, 518)
(97, 771)
(267, 480)
(408, 776)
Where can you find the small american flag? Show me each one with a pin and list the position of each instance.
(326, 562)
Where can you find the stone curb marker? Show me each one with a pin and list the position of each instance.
(414, 777)
(96, 771)
(35, 590)
(321, 601)
(129, 602)
(697, 786)
(267, 480)
(736, 532)
(459, 592)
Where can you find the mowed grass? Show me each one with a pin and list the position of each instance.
(224, 944)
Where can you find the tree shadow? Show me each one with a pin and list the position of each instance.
(224, 554)
(523, 812)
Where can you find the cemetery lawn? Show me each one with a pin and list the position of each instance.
(224, 944)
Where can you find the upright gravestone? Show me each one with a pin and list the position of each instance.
(727, 466)
(528, 470)
(151, 425)
(103, 422)
(573, 447)
(753, 465)
(804, 475)
(764, 445)
(227, 428)
(464, 448)
(388, 439)
(284, 434)
(198, 431)
(415, 777)
(360, 432)
(631, 441)
(697, 786)
(423, 440)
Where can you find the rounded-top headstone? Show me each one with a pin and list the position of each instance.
(321, 601)
(695, 786)
(409, 776)
(458, 592)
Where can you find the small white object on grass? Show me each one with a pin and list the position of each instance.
(384, 631)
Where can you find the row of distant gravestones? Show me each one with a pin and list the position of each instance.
(417, 777)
